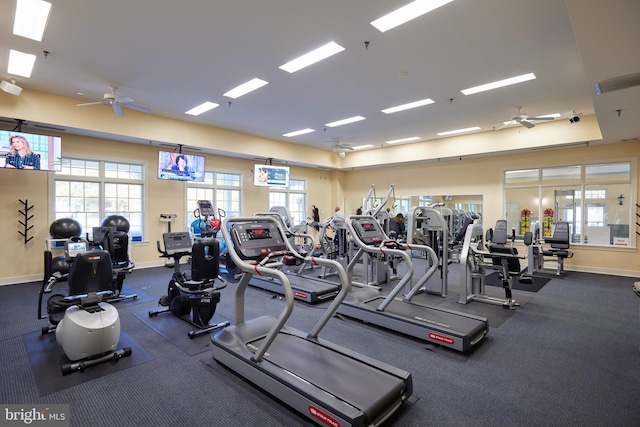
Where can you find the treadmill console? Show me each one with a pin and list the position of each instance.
(177, 242)
(206, 208)
(253, 240)
(369, 231)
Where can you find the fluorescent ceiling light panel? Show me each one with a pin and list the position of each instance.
(202, 108)
(397, 141)
(360, 147)
(31, 18)
(500, 83)
(20, 64)
(312, 57)
(452, 132)
(245, 88)
(298, 132)
(407, 13)
(345, 121)
(408, 106)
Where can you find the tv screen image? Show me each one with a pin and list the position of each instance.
(270, 176)
(180, 167)
(29, 151)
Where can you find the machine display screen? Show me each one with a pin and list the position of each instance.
(259, 233)
(74, 249)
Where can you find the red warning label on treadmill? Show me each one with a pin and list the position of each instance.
(300, 295)
(323, 416)
(441, 338)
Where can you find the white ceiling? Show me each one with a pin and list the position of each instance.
(170, 56)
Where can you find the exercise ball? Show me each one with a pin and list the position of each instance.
(118, 221)
(59, 264)
(198, 226)
(65, 228)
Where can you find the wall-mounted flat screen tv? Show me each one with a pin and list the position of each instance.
(180, 167)
(270, 176)
(29, 151)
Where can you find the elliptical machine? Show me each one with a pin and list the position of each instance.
(192, 295)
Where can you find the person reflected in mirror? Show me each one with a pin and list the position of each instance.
(20, 155)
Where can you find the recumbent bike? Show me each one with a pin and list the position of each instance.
(192, 295)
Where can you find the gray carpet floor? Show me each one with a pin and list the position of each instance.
(569, 356)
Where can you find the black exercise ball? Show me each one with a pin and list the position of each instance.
(65, 228)
(59, 264)
(118, 221)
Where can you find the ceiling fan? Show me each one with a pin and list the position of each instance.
(525, 120)
(338, 145)
(117, 102)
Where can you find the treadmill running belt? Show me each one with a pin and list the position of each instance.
(428, 315)
(356, 383)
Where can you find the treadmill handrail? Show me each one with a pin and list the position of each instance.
(382, 249)
(269, 270)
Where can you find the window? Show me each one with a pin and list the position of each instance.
(587, 196)
(89, 191)
(293, 198)
(224, 190)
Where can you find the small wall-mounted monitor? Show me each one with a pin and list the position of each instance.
(270, 176)
(180, 167)
(29, 151)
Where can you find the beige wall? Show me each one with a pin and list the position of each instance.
(330, 182)
(482, 176)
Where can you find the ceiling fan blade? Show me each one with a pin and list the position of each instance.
(117, 109)
(137, 108)
(90, 103)
(527, 124)
(540, 118)
(123, 100)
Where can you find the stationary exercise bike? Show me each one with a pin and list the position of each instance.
(87, 328)
(192, 295)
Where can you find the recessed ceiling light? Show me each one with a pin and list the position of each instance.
(312, 57)
(298, 132)
(202, 108)
(408, 106)
(407, 13)
(31, 18)
(20, 64)
(345, 121)
(499, 83)
(451, 132)
(397, 141)
(245, 88)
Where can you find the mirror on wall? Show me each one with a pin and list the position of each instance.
(402, 204)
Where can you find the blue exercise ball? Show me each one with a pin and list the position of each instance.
(65, 228)
(118, 222)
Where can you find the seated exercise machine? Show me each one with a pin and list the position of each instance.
(475, 260)
(327, 383)
(559, 245)
(496, 242)
(107, 238)
(559, 248)
(87, 328)
(448, 328)
(192, 295)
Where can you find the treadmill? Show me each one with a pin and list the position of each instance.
(448, 328)
(304, 288)
(329, 384)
